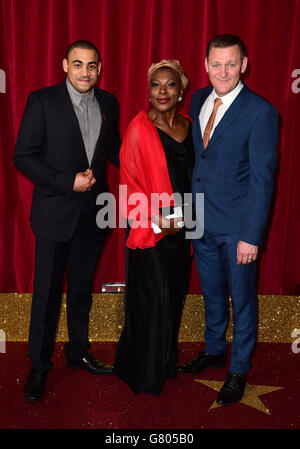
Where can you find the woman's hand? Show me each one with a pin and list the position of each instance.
(169, 226)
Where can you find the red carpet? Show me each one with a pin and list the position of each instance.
(78, 400)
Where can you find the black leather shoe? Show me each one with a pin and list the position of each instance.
(203, 361)
(91, 365)
(34, 387)
(232, 390)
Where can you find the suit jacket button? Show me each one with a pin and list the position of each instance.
(203, 156)
(198, 179)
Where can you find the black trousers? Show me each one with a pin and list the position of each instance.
(78, 257)
(157, 281)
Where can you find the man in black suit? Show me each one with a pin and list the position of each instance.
(67, 133)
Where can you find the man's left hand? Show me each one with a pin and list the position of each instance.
(246, 253)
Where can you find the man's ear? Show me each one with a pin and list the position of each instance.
(206, 65)
(65, 65)
(244, 64)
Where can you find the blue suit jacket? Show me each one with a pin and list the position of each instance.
(236, 170)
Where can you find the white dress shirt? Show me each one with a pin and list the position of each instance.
(208, 105)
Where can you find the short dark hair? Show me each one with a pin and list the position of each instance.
(86, 45)
(227, 40)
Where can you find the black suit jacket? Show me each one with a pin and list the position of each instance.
(50, 151)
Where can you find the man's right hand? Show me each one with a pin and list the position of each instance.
(84, 181)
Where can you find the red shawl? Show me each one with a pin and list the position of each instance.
(143, 169)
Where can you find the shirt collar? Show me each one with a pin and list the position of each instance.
(76, 96)
(230, 97)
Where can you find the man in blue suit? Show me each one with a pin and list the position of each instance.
(235, 138)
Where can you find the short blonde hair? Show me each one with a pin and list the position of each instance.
(170, 64)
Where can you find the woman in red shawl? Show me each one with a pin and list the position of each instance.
(156, 157)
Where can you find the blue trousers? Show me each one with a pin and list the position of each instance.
(220, 276)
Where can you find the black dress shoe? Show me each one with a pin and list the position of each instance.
(91, 365)
(35, 384)
(203, 361)
(232, 390)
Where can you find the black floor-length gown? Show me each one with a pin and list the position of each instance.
(156, 284)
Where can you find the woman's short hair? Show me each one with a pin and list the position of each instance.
(174, 66)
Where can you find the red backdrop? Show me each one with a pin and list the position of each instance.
(130, 35)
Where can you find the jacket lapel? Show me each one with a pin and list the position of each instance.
(104, 123)
(74, 124)
(203, 94)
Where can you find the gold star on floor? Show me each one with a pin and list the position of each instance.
(250, 397)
